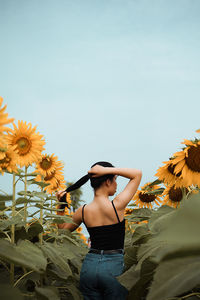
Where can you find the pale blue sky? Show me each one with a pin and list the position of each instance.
(115, 80)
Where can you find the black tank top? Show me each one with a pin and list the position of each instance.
(107, 237)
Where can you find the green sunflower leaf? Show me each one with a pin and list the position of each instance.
(175, 277)
(129, 278)
(24, 254)
(17, 220)
(8, 292)
(140, 233)
(4, 198)
(47, 293)
(55, 255)
(160, 218)
(130, 256)
(140, 289)
(182, 228)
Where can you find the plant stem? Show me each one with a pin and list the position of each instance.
(190, 295)
(41, 222)
(13, 212)
(25, 205)
(12, 273)
(23, 277)
(12, 267)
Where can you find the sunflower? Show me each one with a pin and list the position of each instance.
(144, 199)
(2, 154)
(128, 211)
(83, 238)
(68, 200)
(28, 144)
(79, 229)
(3, 146)
(167, 174)
(48, 164)
(60, 185)
(3, 143)
(4, 117)
(173, 196)
(8, 162)
(130, 225)
(55, 181)
(81, 235)
(50, 170)
(66, 211)
(187, 162)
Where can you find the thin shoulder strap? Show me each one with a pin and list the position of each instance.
(115, 211)
(83, 213)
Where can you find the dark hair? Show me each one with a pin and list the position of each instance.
(95, 182)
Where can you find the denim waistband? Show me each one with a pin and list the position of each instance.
(114, 251)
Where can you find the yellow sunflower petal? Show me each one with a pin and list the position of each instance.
(9, 161)
(4, 120)
(28, 144)
(188, 142)
(178, 168)
(48, 164)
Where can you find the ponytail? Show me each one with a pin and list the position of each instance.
(78, 184)
(95, 182)
(71, 188)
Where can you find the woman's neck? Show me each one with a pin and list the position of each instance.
(101, 193)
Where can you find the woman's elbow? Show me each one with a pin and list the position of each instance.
(63, 226)
(138, 174)
(60, 226)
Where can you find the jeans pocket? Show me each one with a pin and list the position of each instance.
(87, 266)
(115, 267)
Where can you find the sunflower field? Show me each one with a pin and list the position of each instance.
(37, 260)
(40, 261)
(162, 246)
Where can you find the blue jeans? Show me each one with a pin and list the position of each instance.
(97, 278)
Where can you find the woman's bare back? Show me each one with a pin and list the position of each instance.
(101, 212)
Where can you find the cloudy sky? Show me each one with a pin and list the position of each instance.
(114, 80)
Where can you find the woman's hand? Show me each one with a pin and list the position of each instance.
(60, 194)
(97, 171)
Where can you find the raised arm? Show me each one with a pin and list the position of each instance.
(123, 198)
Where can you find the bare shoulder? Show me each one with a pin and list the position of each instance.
(79, 210)
(118, 205)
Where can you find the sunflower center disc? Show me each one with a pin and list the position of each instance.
(144, 197)
(24, 145)
(175, 195)
(49, 177)
(193, 159)
(45, 164)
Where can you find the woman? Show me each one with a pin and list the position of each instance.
(104, 220)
